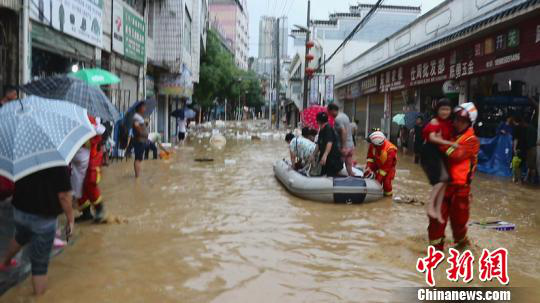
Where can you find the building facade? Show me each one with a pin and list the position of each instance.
(487, 51)
(327, 36)
(11, 37)
(179, 37)
(144, 42)
(267, 37)
(233, 16)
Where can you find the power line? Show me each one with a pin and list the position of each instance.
(284, 6)
(354, 32)
(290, 6)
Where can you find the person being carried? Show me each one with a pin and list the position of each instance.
(437, 134)
(154, 142)
(462, 161)
(38, 200)
(327, 147)
(140, 138)
(381, 161)
(342, 126)
(301, 148)
(10, 94)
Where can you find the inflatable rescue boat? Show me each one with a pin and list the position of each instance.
(349, 190)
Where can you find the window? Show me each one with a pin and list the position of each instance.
(187, 31)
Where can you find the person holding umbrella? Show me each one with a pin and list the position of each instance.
(39, 139)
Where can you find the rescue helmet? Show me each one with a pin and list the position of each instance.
(377, 138)
(467, 110)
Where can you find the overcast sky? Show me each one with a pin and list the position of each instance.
(296, 11)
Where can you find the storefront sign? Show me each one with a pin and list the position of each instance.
(514, 47)
(461, 69)
(177, 85)
(81, 19)
(503, 60)
(430, 71)
(451, 89)
(129, 32)
(369, 85)
(355, 90)
(329, 90)
(118, 27)
(391, 80)
(314, 90)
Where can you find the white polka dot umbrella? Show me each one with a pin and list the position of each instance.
(38, 133)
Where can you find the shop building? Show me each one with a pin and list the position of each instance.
(178, 30)
(11, 35)
(488, 50)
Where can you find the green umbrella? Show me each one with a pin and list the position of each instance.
(399, 119)
(96, 76)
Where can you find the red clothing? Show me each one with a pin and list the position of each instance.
(462, 161)
(382, 160)
(461, 167)
(444, 127)
(91, 192)
(455, 206)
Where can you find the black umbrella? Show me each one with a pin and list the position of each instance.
(75, 91)
(179, 113)
(150, 103)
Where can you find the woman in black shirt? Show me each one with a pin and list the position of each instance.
(327, 146)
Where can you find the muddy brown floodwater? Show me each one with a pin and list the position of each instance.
(211, 232)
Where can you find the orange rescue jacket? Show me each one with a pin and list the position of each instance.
(462, 161)
(382, 159)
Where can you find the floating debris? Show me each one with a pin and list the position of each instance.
(408, 200)
(204, 160)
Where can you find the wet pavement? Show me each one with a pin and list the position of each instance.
(227, 231)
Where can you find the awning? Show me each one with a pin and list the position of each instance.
(12, 4)
(52, 41)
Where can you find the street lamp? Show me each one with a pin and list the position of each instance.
(302, 28)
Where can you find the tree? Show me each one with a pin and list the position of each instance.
(220, 79)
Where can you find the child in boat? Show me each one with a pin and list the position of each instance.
(437, 134)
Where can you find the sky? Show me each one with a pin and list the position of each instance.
(296, 11)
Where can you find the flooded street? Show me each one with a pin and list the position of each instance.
(227, 231)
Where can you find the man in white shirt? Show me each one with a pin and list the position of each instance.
(181, 130)
(140, 137)
(342, 126)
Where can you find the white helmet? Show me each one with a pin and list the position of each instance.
(467, 110)
(377, 138)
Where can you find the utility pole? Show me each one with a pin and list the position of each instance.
(305, 103)
(278, 78)
(25, 46)
(271, 95)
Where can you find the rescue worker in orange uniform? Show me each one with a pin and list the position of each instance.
(381, 161)
(461, 163)
(91, 194)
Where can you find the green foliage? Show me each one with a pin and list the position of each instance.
(220, 79)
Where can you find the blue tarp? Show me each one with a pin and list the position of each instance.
(495, 155)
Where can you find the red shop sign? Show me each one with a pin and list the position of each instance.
(514, 47)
